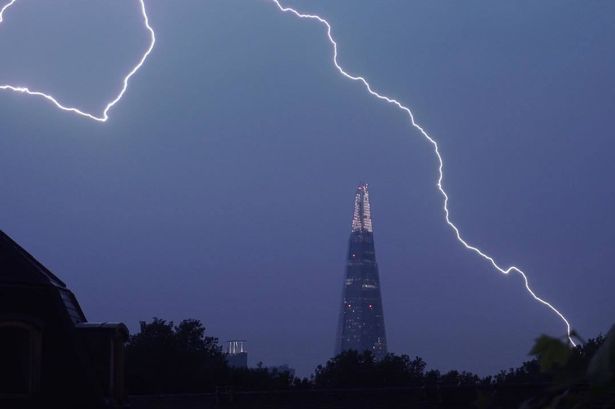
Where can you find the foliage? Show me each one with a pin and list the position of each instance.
(528, 373)
(352, 369)
(551, 352)
(260, 379)
(167, 358)
(582, 377)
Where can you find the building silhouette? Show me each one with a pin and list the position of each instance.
(361, 320)
(50, 355)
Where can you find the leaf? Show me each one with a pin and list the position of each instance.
(550, 352)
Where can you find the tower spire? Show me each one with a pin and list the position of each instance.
(362, 216)
(361, 322)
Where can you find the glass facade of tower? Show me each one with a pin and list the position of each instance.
(361, 322)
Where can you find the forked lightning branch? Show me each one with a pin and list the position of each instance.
(104, 116)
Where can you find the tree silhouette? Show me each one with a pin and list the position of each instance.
(352, 369)
(163, 358)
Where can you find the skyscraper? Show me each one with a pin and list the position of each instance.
(361, 322)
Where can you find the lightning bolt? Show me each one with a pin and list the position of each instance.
(105, 113)
(436, 150)
(105, 116)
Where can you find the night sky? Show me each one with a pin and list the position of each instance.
(222, 187)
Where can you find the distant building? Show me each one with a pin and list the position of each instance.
(50, 356)
(361, 320)
(237, 353)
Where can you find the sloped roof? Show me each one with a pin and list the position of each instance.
(17, 266)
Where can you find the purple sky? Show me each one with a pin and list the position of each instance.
(221, 189)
